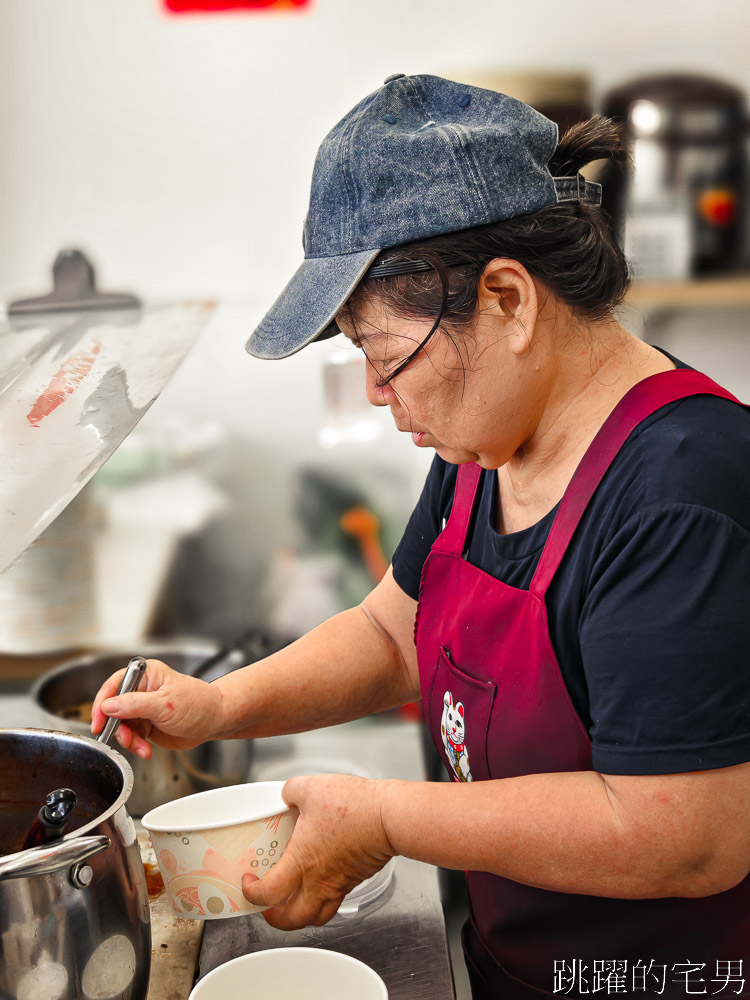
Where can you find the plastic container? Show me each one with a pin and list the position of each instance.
(368, 894)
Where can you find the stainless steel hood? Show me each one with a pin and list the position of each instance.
(78, 369)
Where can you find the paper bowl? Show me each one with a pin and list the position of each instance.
(291, 974)
(205, 843)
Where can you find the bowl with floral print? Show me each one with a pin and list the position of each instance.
(205, 843)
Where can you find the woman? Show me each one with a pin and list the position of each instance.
(569, 598)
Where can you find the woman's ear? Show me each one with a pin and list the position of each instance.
(507, 294)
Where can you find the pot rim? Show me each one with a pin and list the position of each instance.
(205, 647)
(146, 649)
(117, 758)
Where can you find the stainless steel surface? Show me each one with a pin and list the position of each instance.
(410, 914)
(168, 774)
(401, 935)
(56, 939)
(52, 857)
(130, 682)
(403, 939)
(81, 876)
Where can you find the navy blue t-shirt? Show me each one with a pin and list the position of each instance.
(649, 611)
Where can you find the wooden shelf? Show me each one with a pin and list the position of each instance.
(729, 290)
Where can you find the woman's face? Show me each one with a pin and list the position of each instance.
(467, 396)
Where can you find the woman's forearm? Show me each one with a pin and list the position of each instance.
(566, 832)
(344, 669)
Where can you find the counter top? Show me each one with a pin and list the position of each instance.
(403, 939)
(401, 934)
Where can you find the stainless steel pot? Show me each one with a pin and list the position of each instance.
(168, 774)
(74, 914)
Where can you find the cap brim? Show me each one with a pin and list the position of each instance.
(308, 304)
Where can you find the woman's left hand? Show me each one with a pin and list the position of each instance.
(338, 841)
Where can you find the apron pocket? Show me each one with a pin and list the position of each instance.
(459, 716)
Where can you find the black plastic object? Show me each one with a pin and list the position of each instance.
(49, 823)
(74, 290)
(246, 648)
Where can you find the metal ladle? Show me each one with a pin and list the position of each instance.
(49, 824)
(133, 673)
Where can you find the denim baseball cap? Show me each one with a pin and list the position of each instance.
(418, 157)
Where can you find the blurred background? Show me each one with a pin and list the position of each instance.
(175, 149)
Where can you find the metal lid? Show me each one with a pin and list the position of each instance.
(74, 383)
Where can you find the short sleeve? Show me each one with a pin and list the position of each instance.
(425, 524)
(665, 644)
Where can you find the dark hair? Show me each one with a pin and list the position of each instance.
(569, 247)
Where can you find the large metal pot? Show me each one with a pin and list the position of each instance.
(74, 914)
(167, 774)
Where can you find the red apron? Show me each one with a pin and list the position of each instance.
(496, 706)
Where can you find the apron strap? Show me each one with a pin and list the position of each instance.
(645, 398)
(453, 537)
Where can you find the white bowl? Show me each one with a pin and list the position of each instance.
(292, 974)
(205, 843)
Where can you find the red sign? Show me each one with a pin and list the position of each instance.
(206, 6)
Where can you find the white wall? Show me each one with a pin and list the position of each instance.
(178, 151)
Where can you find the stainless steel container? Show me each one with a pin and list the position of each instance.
(684, 210)
(74, 914)
(167, 774)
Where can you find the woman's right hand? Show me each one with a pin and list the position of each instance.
(170, 709)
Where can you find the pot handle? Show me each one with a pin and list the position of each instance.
(51, 857)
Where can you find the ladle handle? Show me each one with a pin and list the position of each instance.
(130, 682)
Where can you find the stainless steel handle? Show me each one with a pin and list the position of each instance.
(51, 857)
(130, 682)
